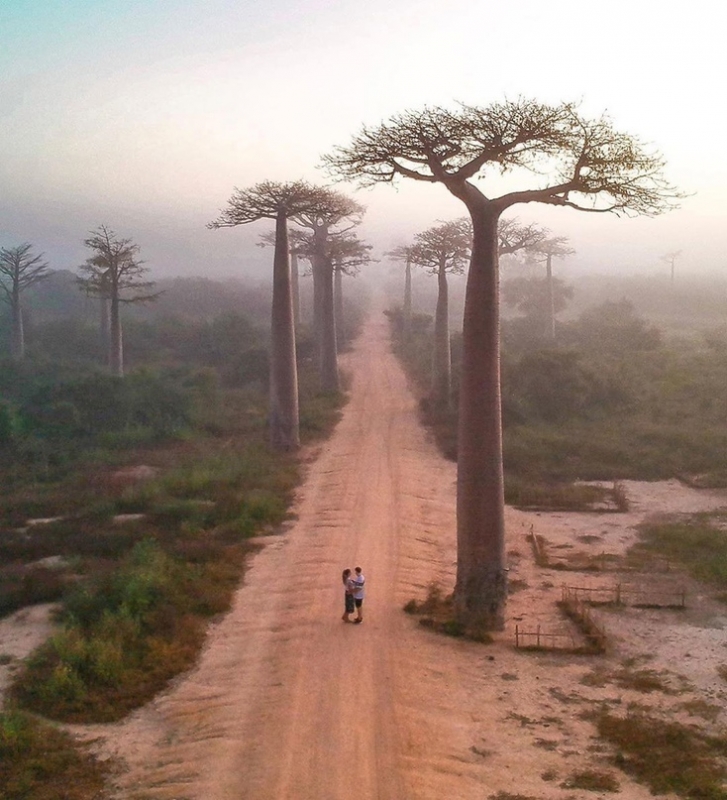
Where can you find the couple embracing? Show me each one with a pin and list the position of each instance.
(353, 586)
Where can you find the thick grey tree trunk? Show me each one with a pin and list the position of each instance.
(442, 357)
(284, 419)
(338, 306)
(318, 272)
(325, 312)
(551, 297)
(481, 588)
(329, 352)
(116, 343)
(17, 343)
(295, 284)
(407, 300)
(105, 324)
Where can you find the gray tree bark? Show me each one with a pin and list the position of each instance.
(294, 276)
(17, 344)
(338, 307)
(407, 300)
(116, 341)
(551, 296)
(323, 297)
(284, 414)
(442, 355)
(481, 587)
(105, 324)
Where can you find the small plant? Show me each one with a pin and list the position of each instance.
(698, 544)
(667, 756)
(511, 796)
(592, 781)
(37, 760)
(620, 498)
(703, 709)
(437, 612)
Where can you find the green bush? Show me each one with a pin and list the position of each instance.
(40, 761)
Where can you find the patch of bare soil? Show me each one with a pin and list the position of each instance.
(288, 702)
(20, 634)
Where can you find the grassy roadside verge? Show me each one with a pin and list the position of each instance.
(40, 762)
(136, 593)
(699, 543)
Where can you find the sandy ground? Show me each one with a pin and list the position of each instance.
(288, 702)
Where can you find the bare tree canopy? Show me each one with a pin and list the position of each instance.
(442, 247)
(560, 158)
(281, 202)
(267, 200)
(114, 269)
(348, 253)
(19, 269)
(554, 246)
(115, 274)
(514, 236)
(334, 216)
(577, 162)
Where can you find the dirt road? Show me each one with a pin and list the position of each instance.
(289, 703)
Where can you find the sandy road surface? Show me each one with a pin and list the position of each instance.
(288, 701)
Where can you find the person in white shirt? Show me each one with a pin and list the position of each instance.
(358, 581)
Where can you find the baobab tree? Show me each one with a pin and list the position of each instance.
(552, 247)
(562, 159)
(403, 253)
(114, 273)
(19, 269)
(297, 245)
(670, 259)
(348, 254)
(333, 217)
(279, 202)
(442, 250)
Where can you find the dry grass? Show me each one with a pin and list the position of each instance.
(39, 762)
(437, 613)
(667, 756)
(592, 781)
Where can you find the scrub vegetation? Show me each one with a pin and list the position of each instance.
(131, 501)
(614, 397)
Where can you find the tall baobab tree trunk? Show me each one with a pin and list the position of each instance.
(551, 296)
(324, 311)
(116, 342)
(442, 356)
(338, 306)
(318, 273)
(284, 420)
(295, 285)
(328, 353)
(481, 588)
(407, 299)
(105, 324)
(17, 346)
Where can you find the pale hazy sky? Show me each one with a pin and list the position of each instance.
(144, 114)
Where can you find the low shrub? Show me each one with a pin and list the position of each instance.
(125, 635)
(667, 756)
(437, 612)
(697, 543)
(40, 761)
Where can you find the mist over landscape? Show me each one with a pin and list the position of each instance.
(151, 142)
(404, 314)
